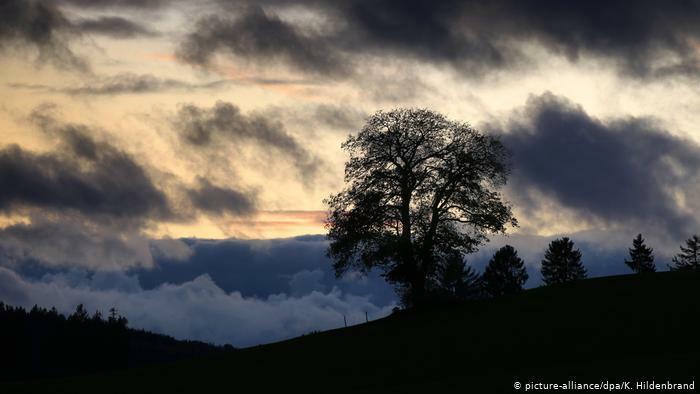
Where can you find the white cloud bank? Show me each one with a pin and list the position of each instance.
(198, 309)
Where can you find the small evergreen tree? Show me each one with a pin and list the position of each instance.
(641, 257)
(505, 273)
(562, 263)
(454, 279)
(689, 258)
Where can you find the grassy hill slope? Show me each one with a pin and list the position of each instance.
(614, 328)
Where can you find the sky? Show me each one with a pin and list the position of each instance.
(171, 158)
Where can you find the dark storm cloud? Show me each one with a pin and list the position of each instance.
(90, 178)
(221, 200)
(84, 204)
(41, 26)
(113, 26)
(487, 34)
(224, 123)
(124, 83)
(118, 4)
(618, 171)
(262, 37)
(642, 39)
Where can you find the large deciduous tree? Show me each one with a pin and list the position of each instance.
(419, 188)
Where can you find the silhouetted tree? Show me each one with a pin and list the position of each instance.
(113, 315)
(97, 317)
(454, 279)
(80, 315)
(641, 257)
(116, 319)
(562, 263)
(505, 273)
(417, 185)
(689, 258)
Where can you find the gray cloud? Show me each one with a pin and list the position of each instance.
(221, 200)
(91, 178)
(339, 117)
(113, 26)
(255, 268)
(70, 242)
(262, 37)
(644, 39)
(196, 309)
(620, 171)
(304, 282)
(124, 83)
(261, 268)
(118, 4)
(319, 119)
(41, 26)
(88, 203)
(225, 124)
(85, 203)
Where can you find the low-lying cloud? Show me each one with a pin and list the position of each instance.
(197, 309)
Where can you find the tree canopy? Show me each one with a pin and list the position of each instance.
(419, 188)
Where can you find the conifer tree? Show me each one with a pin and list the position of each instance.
(641, 256)
(562, 263)
(457, 280)
(505, 273)
(80, 315)
(689, 258)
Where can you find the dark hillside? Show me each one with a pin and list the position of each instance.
(604, 329)
(42, 343)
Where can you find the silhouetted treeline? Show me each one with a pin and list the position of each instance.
(505, 273)
(44, 343)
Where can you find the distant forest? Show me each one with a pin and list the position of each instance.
(44, 343)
